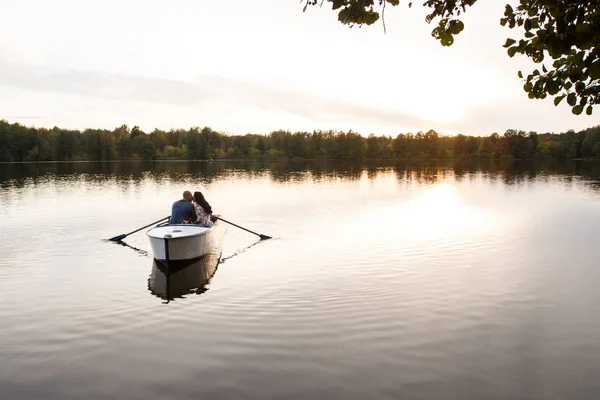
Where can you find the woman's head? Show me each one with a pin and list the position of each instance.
(199, 199)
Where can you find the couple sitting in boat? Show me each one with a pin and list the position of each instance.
(191, 210)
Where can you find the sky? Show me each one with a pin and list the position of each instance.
(253, 67)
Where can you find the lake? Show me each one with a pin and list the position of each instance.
(412, 281)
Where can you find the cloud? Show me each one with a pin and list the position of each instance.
(521, 114)
(270, 97)
(211, 91)
(323, 108)
(105, 85)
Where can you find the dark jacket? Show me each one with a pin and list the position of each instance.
(181, 210)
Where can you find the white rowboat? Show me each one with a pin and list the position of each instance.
(185, 241)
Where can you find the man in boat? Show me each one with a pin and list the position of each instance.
(183, 210)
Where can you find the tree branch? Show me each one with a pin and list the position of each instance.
(383, 17)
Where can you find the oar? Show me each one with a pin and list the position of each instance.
(123, 236)
(262, 237)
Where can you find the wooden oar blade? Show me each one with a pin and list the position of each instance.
(118, 238)
(265, 237)
(123, 236)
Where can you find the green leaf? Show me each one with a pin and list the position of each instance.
(594, 70)
(305, 7)
(456, 27)
(585, 40)
(558, 99)
(572, 99)
(447, 40)
(520, 74)
(509, 42)
(575, 75)
(542, 34)
(583, 28)
(512, 51)
(577, 110)
(336, 4)
(544, 69)
(552, 87)
(589, 110)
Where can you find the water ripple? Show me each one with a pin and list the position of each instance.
(382, 286)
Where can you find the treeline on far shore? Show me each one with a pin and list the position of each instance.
(22, 143)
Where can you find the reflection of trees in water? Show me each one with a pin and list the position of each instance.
(130, 175)
(334, 170)
(99, 172)
(520, 173)
(512, 173)
(423, 172)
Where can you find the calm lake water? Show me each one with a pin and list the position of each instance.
(402, 281)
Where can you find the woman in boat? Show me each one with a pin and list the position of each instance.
(203, 210)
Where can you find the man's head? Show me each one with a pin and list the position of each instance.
(187, 195)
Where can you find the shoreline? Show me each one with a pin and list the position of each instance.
(273, 160)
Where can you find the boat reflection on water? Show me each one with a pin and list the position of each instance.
(181, 278)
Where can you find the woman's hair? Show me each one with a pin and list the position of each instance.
(199, 198)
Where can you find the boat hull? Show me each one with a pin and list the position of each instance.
(185, 242)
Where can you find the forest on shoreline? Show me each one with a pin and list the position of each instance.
(22, 143)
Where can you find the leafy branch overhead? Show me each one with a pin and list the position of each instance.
(567, 33)
(560, 35)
